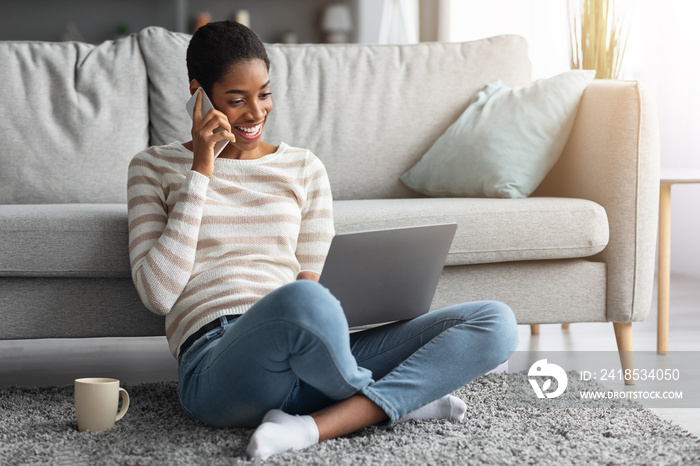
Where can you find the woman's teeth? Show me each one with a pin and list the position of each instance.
(249, 131)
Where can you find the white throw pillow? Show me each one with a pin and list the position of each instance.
(505, 142)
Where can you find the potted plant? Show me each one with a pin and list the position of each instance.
(598, 37)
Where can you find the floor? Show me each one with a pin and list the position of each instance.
(684, 336)
(137, 360)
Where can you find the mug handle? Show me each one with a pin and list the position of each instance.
(125, 404)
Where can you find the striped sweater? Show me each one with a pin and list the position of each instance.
(201, 248)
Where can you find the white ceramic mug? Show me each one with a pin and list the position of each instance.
(96, 403)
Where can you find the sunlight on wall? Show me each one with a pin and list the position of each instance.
(542, 22)
(664, 53)
(665, 49)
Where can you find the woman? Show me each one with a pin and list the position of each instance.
(230, 248)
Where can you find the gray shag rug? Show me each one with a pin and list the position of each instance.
(37, 426)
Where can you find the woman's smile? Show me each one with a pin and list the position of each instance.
(250, 132)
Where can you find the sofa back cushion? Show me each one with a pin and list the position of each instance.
(369, 112)
(71, 118)
(168, 85)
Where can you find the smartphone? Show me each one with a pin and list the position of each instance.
(206, 106)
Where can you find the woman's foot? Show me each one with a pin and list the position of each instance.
(280, 432)
(448, 407)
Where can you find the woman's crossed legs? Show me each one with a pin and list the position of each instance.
(292, 353)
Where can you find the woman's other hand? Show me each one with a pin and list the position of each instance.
(306, 275)
(204, 138)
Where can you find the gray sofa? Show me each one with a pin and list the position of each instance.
(581, 249)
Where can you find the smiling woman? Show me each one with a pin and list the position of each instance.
(236, 81)
(241, 106)
(230, 249)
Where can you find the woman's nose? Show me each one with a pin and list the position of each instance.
(257, 111)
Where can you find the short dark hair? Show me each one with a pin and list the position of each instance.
(216, 46)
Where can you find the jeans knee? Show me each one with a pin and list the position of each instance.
(502, 324)
(307, 302)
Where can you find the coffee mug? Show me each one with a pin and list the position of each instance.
(96, 403)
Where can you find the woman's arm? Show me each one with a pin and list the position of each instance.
(162, 244)
(316, 231)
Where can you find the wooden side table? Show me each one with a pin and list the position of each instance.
(668, 179)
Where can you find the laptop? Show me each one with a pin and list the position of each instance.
(387, 275)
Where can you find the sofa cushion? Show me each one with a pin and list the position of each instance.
(491, 230)
(67, 240)
(316, 88)
(73, 115)
(168, 86)
(505, 142)
(90, 240)
(405, 105)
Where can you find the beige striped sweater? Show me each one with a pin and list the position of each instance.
(203, 247)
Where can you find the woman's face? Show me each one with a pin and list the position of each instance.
(243, 94)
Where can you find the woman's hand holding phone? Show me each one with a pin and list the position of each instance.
(211, 131)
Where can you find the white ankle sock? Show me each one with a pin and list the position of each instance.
(448, 407)
(280, 432)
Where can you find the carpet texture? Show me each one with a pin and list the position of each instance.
(37, 426)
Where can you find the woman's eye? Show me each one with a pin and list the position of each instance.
(265, 95)
(235, 102)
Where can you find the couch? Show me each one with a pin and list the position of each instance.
(580, 249)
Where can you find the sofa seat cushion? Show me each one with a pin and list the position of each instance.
(91, 240)
(67, 240)
(491, 230)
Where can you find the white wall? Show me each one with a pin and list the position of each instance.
(665, 58)
(542, 22)
(663, 54)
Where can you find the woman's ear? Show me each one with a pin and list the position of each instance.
(194, 85)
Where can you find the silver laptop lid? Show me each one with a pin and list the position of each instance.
(387, 275)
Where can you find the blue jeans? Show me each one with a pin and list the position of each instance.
(292, 351)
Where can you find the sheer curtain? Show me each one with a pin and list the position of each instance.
(663, 54)
(388, 21)
(399, 23)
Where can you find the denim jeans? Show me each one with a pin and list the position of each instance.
(293, 351)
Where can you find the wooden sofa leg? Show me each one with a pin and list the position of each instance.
(535, 329)
(565, 326)
(625, 347)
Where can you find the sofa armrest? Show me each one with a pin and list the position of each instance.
(612, 158)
